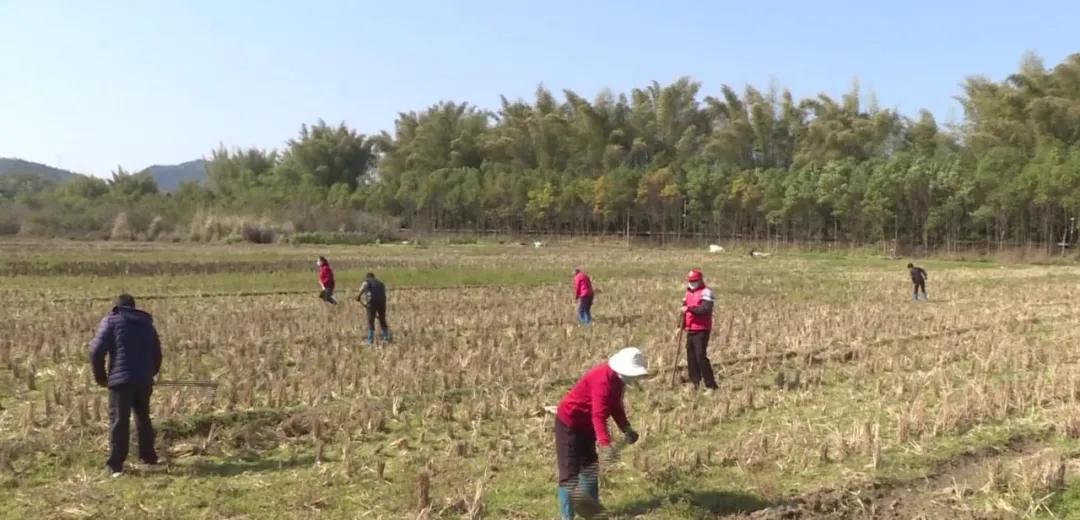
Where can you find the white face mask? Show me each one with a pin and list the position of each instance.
(318, 263)
(694, 285)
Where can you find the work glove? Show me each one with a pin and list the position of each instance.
(631, 436)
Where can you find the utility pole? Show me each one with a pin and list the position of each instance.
(1066, 235)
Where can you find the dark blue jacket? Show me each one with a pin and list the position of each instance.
(128, 338)
(373, 293)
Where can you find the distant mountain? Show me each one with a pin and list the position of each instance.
(17, 166)
(169, 177)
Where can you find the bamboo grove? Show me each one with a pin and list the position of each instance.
(755, 164)
(670, 159)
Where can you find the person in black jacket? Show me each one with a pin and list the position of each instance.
(128, 339)
(373, 296)
(918, 280)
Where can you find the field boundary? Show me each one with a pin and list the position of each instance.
(895, 496)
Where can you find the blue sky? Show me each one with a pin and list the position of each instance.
(89, 85)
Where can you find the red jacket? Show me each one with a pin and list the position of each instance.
(699, 309)
(582, 285)
(326, 276)
(597, 396)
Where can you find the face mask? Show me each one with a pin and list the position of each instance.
(694, 285)
(318, 263)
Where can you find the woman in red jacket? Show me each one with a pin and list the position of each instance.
(583, 295)
(697, 318)
(581, 424)
(326, 280)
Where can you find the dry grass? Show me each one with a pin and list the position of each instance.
(829, 377)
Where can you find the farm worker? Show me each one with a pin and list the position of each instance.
(918, 280)
(373, 296)
(326, 280)
(697, 317)
(127, 337)
(583, 295)
(581, 424)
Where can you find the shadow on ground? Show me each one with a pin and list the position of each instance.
(715, 502)
(233, 467)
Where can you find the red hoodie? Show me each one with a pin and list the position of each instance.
(326, 276)
(582, 285)
(597, 396)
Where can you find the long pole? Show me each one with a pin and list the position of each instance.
(678, 351)
(203, 384)
(1064, 239)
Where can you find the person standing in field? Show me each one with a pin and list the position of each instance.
(127, 338)
(918, 281)
(373, 296)
(697, 318)
(326, 280)
(581, 424)
(583, 296)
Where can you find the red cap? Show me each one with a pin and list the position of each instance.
(694, 276)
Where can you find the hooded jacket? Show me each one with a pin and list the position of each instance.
(127, 337)
(326, 276)
(582, 285)
(372, 293)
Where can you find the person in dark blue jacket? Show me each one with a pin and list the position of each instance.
(128, 339)
(918, 281)
(373, 295)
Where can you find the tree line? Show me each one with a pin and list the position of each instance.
(665, 159)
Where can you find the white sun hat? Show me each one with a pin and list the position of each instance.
(629, 362)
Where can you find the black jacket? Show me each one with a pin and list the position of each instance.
(372, 293)
(128, 339)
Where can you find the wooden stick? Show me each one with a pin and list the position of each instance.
(203, 384)
(678, 353)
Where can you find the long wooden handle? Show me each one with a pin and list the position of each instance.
(206, 384)
(678, 352)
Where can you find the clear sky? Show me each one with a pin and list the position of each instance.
(87, 85)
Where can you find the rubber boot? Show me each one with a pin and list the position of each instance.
(371, 337)
(386, 336)
(566, 505)
(591, 486)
